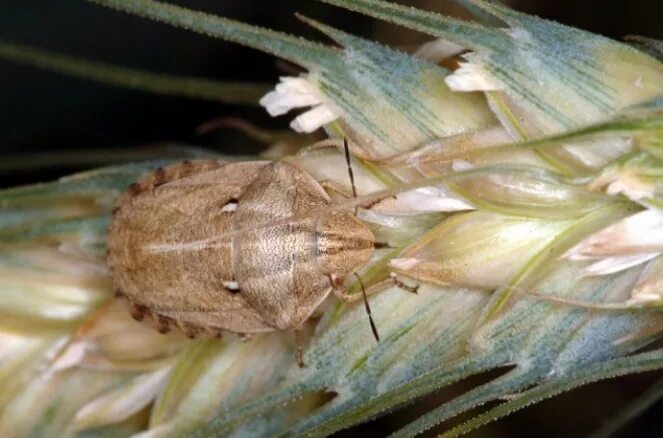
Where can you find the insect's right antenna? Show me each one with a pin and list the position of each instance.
(374, 329)
(352, 176)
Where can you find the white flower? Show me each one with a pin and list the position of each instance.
(288, 94)
(299, 92)
(311, 120)
(472, 76)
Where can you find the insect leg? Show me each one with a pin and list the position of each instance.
(334, 187)
(374, 288)
(398, 283)
(388, 282)
(138, 311)
(161, 323)
(189, 330)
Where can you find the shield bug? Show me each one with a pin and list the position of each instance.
(188, 247)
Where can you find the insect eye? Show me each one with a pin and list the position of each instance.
(337, 281)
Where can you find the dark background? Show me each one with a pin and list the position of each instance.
(42, 111)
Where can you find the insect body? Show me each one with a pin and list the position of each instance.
(188, 246)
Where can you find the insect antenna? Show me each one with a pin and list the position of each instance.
(374, 329)
(352, 176)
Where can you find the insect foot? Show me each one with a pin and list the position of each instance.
(206, 246)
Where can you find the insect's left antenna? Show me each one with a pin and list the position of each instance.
(374, 329)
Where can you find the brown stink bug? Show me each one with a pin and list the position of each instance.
(188, 247)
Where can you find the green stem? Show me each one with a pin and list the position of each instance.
(244, 93)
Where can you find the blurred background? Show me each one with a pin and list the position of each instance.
(42, 112)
